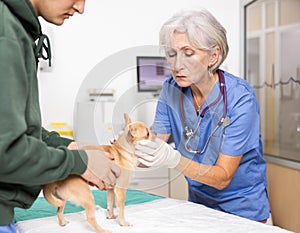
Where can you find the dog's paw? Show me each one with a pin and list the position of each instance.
(63, 222)
(110, 216)
(124, 223)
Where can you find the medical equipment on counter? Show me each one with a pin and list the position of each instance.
(225, 121)
(101, 94)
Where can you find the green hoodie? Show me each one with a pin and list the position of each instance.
(29, 155)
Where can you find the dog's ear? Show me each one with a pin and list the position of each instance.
(127, 119)
(129, 134)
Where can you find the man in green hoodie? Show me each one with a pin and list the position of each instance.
(30, 156)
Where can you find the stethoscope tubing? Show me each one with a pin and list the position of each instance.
(189, 133)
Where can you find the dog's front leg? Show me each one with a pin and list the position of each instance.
(110, 204)
(120, 192)
(120, 202)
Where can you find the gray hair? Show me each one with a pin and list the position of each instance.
(203, 30)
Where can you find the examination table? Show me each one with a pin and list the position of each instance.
(147, 213)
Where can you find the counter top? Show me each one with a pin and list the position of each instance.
(282, 161)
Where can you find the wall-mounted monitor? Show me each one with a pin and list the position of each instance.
(152, 71)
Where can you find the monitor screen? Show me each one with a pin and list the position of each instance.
(151, 73)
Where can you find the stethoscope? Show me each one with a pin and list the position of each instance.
(225, 121)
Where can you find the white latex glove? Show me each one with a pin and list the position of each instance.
(157, 153)
(101, 170)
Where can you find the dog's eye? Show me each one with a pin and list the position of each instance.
(148, 134)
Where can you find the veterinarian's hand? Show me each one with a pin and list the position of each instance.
(101, 170)
(157, 153)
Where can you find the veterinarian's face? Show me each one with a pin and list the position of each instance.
(56, 11)
(189, 65)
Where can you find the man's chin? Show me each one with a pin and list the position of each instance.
(57, 22)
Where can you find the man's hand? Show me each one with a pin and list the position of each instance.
(73, 146)
(157, 153)
(101, 170)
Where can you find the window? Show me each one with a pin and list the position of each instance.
(272, 66)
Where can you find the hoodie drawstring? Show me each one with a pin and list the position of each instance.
(41, 46)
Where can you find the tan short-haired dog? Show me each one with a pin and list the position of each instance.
(76, 189)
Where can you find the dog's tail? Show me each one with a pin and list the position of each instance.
(50, 192)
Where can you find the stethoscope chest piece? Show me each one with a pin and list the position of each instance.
(226, 121)
(188, 133)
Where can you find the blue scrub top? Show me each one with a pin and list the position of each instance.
(246, 195)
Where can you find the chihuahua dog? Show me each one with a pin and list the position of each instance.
(77, 190)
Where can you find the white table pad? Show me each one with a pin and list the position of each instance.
(159, 216)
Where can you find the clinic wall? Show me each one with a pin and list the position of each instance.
(104, 29)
